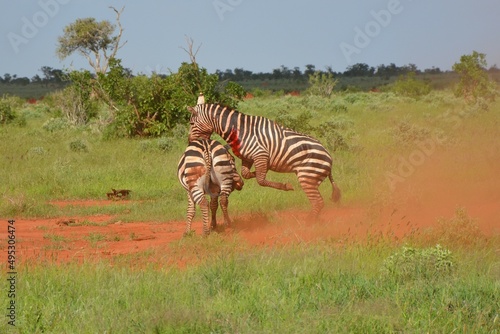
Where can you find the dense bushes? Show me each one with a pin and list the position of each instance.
(152, 106)
(8, 110)
(145, 106)
(409, 86)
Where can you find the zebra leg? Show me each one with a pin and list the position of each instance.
(261, 172)
(204, 211)
(199, 198)
(214, 203)
(310, 187)
(245, 169)
(190, 214)
(224, 202)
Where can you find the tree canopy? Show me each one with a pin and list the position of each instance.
(474, 81)
(92, 39)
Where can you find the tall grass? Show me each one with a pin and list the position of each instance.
(304, 288)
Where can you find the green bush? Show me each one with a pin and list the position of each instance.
(78, 146)
(55, 124)
(414, 263)
(75, 101)
(337, 133)
(7, 111)
(474, 81)
(459, 231)
(163, 144)
(152, 106)
(299, 123)
(321, 84)
(409, 86)
(406, 133)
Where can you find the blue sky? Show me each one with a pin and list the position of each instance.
(258, 35)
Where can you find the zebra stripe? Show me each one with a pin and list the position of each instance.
(207, 168)
(262, 142)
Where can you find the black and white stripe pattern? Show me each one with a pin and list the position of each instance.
(262, 142)
(207, 168)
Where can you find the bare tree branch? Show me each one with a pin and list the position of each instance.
(189, 50)
(192, 56)
(117, 45)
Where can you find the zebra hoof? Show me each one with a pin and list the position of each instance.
(189, 233)
(288, 187)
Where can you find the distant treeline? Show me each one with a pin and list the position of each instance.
(52, 75)
(356, 70)
(360, 75)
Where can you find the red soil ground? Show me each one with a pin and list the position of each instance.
(436, 188)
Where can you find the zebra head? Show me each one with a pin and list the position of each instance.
(200, 126)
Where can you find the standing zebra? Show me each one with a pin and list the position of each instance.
(207, 168)
(260, 141)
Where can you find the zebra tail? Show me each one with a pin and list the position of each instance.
(208, 172)
(336, 194)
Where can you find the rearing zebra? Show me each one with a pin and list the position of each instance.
(260, 141)
(207, 168)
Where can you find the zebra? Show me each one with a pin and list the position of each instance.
(207, 168)
(262, 142)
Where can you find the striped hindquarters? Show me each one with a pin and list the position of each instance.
(207, 168)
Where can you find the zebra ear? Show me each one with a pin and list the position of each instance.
(192, 110)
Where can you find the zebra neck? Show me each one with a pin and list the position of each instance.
(231, 132)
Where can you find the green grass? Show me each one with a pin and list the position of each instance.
(231, 287)
(305, 288)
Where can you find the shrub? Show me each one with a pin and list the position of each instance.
(76, 101)
(336, 133)
(406, 133)
(299, 123)
(78, 146)
(7, 112)
(152, 106)
(474, 81)
(55, 124)
(409, 86)
(459, 231)
(321, 84)
(414, 263)
(165, 144)
(339, 108)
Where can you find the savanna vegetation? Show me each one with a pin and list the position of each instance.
(443, 280)
(113, 129)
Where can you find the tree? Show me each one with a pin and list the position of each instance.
(94, 40)
(359, 70)
(310, 69)
(321, 84)
(474, 81)
(7, 78)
